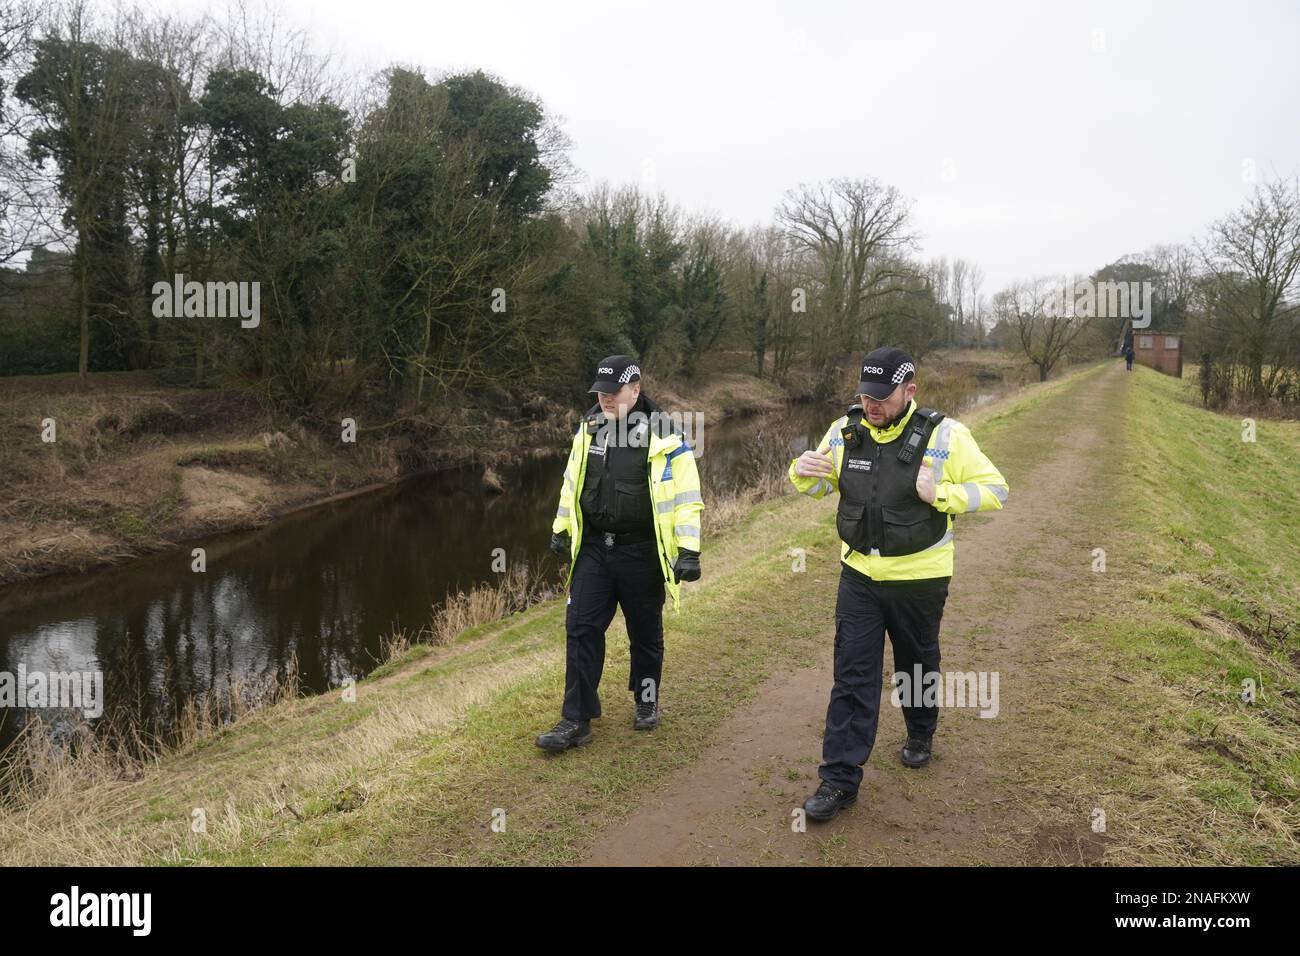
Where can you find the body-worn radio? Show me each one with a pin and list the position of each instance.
(924, 420)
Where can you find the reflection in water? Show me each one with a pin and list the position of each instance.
(321, 589)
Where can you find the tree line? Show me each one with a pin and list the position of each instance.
(416, 235)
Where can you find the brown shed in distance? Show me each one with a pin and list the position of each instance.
(1162, 351)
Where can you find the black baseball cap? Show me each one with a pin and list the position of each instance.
(614, 372)
(883, 370)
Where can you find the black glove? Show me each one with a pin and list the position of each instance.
(687, 566)
(561, 544)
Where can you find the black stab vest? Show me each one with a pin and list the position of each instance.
(879, 507)
(616, 489)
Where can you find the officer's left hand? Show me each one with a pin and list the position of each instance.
(687, 566)
(925, 484)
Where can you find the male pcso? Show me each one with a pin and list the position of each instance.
(629, 522)
(902, 473)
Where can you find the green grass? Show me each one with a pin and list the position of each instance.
(1203, 589)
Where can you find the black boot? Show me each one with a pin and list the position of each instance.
(827, 801)
(647, 715)
(567, 733)
(916, 752)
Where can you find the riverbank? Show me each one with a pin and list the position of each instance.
(1120, 693)
(138, 466)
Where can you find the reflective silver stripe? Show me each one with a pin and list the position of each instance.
(687, 530)
(568, 482)
(663, 507)
(972, 495)
(999, 492)
(947, 538)
(823, 486)
(683, 497)
(562, 513)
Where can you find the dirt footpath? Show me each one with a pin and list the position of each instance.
(982, 798)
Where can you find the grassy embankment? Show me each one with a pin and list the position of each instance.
(1205, 597)
(1205, 530)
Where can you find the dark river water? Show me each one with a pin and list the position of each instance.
(323, 587)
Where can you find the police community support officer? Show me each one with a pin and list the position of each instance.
(895, 523)
(629, 520)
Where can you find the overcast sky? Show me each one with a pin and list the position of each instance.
(1033, 138)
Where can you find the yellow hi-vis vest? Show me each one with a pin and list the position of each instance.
(964, 480)
(674, 490)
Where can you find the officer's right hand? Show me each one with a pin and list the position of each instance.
(815, 464)
(687, 566)
(561, 544)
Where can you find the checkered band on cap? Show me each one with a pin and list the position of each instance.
(628, 373)
(900, 373)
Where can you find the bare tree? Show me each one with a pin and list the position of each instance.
(957, 297)
(854, 231)
(25, 193)
(975, 304)
(938, 274)
(262, 38)
(1252, 259)
(1043, 329)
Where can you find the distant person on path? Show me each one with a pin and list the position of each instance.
(629, 523)
(901, 472)
(1128, 357)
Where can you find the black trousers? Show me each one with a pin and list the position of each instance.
(865, 611)
(626, 576)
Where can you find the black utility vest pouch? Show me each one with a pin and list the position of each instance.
(879, 507)
(616, 487)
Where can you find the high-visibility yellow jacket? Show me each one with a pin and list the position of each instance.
(964, 480)
(674, 490)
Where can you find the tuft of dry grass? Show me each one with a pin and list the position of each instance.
(393, 647)
(518, 589)
(44, 764)
(221, 781)
(727, 508)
